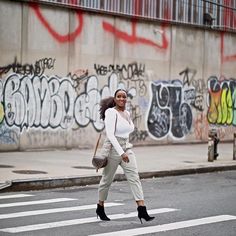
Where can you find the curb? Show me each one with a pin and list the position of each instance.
(65, 182)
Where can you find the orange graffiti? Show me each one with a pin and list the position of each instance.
(214, 108)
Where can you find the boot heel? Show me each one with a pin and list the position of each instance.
(142, 214)
(140, 220)
(101, 213)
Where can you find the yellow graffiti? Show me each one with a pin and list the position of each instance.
(222, 106)
(234, 108)
(1, 112)
(230, 110)
(226, 104)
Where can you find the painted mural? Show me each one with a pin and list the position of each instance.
(37, 101)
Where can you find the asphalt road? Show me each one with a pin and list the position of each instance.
(200, 204)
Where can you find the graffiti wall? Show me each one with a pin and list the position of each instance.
(55, 70)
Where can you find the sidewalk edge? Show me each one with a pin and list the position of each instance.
(65, 182)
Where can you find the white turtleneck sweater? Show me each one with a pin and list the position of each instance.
(117, 125)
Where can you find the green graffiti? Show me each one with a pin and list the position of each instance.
(234, 106)
(222, 98)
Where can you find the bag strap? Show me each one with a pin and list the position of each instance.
(99, 137)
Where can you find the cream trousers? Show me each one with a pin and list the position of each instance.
(130, 171)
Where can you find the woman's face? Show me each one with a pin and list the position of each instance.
(121, 98)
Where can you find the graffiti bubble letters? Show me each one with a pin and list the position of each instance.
(29, 69)
(52, 102)
(222, 101)
(38, 101)
(168, 113)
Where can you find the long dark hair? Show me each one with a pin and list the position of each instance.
(108, 103)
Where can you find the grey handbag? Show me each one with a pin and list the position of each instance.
(100, 161)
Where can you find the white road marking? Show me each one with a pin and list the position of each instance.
(36, 202)
(15, 196)
(171, 226)
(26, 228)
(54, 210)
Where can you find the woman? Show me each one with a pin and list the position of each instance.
(118, 126)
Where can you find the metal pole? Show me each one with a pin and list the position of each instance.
(210, 149)
(234, 148)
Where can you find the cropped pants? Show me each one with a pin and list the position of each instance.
(130, 171)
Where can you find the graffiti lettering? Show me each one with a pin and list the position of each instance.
(187, 79)
(168, 113)
(189, 94)
(38, 101)
(127, 72)
(133, 75)
(198, 103)
(54, 102)
(222, 101)
(194, 89)
(28, 69)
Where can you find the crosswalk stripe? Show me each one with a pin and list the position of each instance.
(34, 227)
(36, 202)
(171, 226)
(15, 196)
(54, 210)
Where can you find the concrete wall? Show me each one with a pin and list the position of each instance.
(57, 64)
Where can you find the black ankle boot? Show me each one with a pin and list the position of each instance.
(101, 213)
(142, 213)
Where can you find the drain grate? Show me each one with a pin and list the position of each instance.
(29, 172)
(84, 167)
(6, 166)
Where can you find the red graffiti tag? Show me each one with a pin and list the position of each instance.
(227, 15)
(60, 38)
(225, 58)
(133, 38)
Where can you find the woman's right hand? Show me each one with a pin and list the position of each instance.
(125, 157)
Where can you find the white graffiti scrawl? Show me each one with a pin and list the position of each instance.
(38, 101)
(54, 102)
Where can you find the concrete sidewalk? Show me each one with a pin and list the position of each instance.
(59, 168)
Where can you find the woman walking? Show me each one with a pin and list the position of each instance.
(118, 126)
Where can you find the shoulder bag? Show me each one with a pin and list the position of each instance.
(100, 161)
